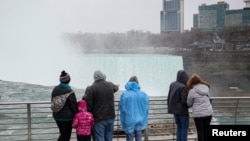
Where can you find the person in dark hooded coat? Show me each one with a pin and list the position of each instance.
(64, 106)
(177, 105)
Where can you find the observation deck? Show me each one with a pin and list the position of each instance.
(32, 121)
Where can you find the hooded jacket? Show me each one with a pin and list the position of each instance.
(198, 98)
(133, 106)
(100, 97)
(176, 100)
(83, 120)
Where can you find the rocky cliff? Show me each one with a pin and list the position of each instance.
(226, 71)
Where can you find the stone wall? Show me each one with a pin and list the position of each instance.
(225, 71)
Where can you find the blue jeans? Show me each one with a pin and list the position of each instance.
(182, 122)
(136, 134)
(103, 130)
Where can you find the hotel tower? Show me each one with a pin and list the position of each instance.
(172, 16)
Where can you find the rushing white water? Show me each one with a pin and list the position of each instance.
(155, 72)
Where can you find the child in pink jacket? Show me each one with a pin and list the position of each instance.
(83, 122)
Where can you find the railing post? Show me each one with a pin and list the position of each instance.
(174, 129)
(117, 124)
(146, 134)
(236, 111)
(29, 121)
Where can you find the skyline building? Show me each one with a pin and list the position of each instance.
(172, 16)
(247, 3)
(212, 16)
(217, 16)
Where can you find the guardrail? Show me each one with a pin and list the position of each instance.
(32, 121)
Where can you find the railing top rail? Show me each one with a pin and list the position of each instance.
(230, 97)
(27, 102)
(151, 99)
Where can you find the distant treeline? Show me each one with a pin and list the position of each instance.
(89, 42)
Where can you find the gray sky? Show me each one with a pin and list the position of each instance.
(120, 15)
(103, 15)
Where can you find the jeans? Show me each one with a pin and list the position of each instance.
(136, 134)
(202, 127)
(103, 130)
(182, 122)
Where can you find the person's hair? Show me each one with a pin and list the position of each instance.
(195, 79)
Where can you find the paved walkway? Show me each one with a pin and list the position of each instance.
(156, 138)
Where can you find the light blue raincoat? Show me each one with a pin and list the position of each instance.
(133, 107)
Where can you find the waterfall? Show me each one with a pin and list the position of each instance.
(155, 72)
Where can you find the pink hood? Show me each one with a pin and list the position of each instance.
(82, 106)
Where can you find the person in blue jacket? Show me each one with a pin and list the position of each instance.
(133, 107)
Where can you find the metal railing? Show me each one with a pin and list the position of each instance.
(32, 121)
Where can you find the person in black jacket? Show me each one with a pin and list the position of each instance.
(64, 106)
(100, 100)
(177, 105)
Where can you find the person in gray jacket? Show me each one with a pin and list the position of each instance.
(100, 100)
(177, 105)
(198, 99)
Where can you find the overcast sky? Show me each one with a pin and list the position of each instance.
(103, 15)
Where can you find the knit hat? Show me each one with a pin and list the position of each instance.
(98, 75)
(134, 79)
(64, 77)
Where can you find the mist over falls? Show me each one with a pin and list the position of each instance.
(32, 49)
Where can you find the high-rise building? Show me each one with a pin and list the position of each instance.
(238, 17)
(233, 17)
(247, 3)
(195, 20)
(212, 16)
(172, 16)
(246, 13)
(216, 16)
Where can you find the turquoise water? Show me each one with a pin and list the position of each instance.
(155, 72)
